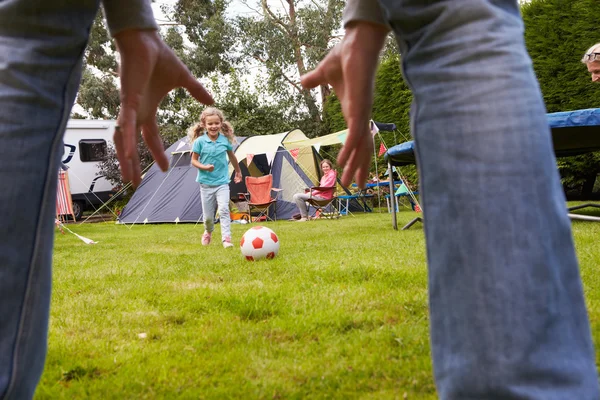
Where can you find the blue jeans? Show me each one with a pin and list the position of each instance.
(508, 318)
(213, 198)
(41, 46)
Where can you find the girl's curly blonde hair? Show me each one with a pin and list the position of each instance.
(198, 129)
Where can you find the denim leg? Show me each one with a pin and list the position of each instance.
(208, 196)
(224, 215)
(41, 46)
(508, 318)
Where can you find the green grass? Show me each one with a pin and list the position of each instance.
(148, 313)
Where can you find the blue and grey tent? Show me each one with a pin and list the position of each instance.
(172, 196)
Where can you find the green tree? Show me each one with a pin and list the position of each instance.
(197, 31)
(247, 110)
(557, 33)
(98, 93)
(288, 43)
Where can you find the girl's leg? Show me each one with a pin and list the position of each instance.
(300, 199)
(208, 196)
(222, 195)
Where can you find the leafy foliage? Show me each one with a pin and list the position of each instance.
(289, 43)
(557, 34)
(249, 113)
(98, 93)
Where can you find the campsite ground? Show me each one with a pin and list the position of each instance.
(340, 313)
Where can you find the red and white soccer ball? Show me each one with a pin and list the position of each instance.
(259, 242)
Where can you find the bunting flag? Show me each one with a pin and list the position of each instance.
(270, 157)
(382, 149)
(342, 137)
(317, 146)
(402, 190)
(294, 153)
(374, 129)
(249, 158)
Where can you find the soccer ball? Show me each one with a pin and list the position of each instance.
(259, 242)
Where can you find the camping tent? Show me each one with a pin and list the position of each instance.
(174, 196)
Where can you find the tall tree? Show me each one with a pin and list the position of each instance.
(288, 42)
(98, 93)
(557, 33)
(198, 32)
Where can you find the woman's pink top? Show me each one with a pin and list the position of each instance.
(327, 180)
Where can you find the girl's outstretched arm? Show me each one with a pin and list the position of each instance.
(236, 166)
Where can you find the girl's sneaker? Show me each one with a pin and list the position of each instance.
(227, 242)
(206, 238)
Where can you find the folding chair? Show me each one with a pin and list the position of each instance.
(259, 197)
(324, 208)
(64, 202)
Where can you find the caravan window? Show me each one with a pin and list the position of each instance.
(92, 150)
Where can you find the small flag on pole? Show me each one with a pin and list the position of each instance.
(382, 149)
(374, 128)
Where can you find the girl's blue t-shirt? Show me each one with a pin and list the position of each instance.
(214, 153)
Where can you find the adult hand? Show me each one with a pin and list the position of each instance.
(149, 70)
(350, 68)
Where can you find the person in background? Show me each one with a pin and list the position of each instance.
(591, 59)
(41, 48)
(507, 314)
(212, 144)
(328, 179)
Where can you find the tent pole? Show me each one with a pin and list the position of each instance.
(377, 175)
(392, 196)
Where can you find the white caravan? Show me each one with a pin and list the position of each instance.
(86, 143)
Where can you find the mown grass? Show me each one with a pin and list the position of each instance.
(148, 313)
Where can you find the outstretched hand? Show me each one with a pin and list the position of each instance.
(149, 70)
(350, 68)
(237, 177)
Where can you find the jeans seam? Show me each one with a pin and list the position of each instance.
(46, 196)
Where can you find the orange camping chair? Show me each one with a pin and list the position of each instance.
(64, 202)
(259, 197)
(324, 208)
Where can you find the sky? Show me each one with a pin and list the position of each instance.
(236, 7)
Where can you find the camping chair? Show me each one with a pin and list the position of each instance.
(324, 208)
(64, 202)
(259, 197)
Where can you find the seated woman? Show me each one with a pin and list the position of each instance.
(327, 180)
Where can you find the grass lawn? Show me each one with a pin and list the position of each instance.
(148, 313)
